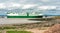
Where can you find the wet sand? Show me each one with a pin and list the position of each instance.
(16, 20)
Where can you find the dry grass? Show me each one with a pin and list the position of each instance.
(54, 29)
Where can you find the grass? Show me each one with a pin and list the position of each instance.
(44, 28)
(19, 32)
(15, 29)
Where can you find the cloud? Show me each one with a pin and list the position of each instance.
(46, 7)
(2, 6)
(28, 6)
(14, 5)
(9, 5)
(45, 0)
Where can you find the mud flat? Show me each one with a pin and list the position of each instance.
(16, 20)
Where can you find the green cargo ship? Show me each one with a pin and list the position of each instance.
(23, 15)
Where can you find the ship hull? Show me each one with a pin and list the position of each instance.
(24, 16)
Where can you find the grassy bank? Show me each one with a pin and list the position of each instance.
(18, 32)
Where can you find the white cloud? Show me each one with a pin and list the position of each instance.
(14, 5)
(9, 5)
(22, 1)
(46, 7)
(45, 0)
(28, 6)
(2, 5)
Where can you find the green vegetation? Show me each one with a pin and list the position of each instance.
(19, 32)
(9, 27)
(2, 28)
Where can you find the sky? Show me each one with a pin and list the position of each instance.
(25, 4)
(28, 3)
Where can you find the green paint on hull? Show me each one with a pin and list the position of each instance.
(24, 16)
